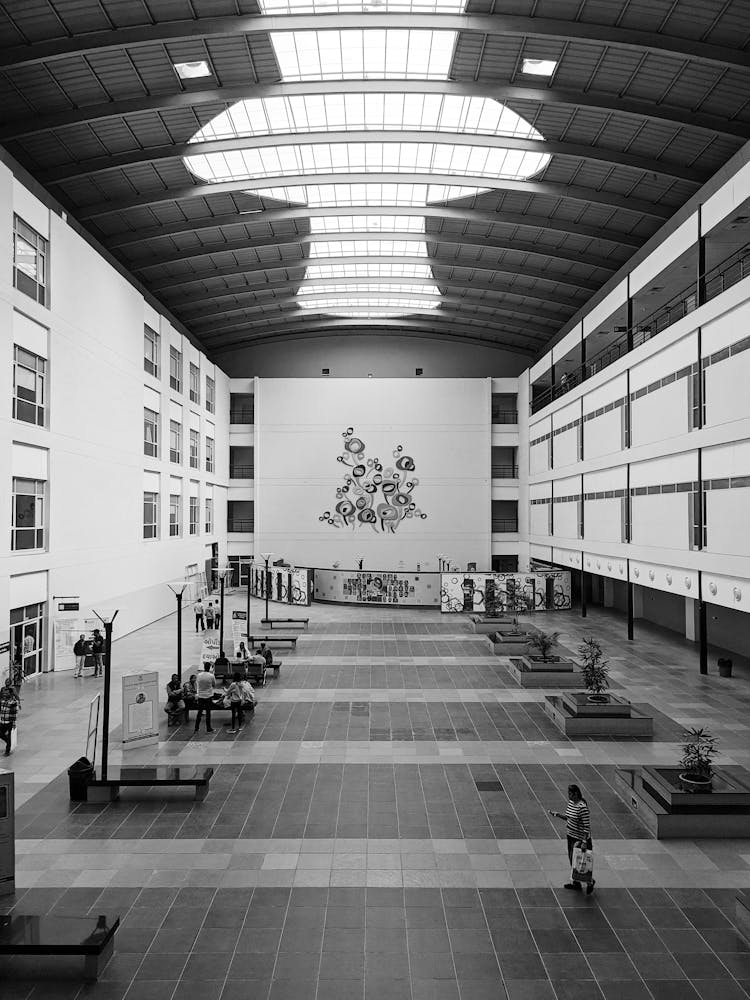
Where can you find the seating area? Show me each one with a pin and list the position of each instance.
(159, 776)
(35, 935)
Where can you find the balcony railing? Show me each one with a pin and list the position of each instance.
(505, 416)
(242, 472)
(718, 279)
(240, 524)
(505, 472)
(504, 525)
(242, 416)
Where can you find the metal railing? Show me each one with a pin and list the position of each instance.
(241, 471)
(240, 524)
(505, 416)
(505, 525)
(505, 472)
(242, 416)
(725, 274)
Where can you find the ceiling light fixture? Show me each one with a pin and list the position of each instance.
(192, 70)
(539, 67)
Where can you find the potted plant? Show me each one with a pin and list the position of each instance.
(696, 762)
(543, 643)
(595, 670)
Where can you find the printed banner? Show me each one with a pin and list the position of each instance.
(140, 708)
(67, 626)
(239, 631)
(210, 647)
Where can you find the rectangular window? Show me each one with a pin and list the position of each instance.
(27, 514)
(195, 449)
(175, 442)
(209, 516)
(195, 383)
(175, 504)
(175, 369)
(209, 454)
(30, 255)
(150, 433)
(151, 351)
(150, 515)
(194, 515)
(29, 392)
(210, 395)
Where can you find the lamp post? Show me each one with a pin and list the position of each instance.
(178, 589)
(222, 573)
(107, 621)
(267, 582)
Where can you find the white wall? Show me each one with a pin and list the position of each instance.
(92, 336)
(444, 425)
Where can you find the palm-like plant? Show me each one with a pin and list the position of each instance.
(698, 752)
(594, 667)
(543, 643)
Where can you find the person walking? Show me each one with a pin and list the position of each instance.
(578, 828)
(204, 684)
(79, 651)
(198, 608)
(217, 615)
(97, 649)
(234, 694)
(209, 615)
(9, 706)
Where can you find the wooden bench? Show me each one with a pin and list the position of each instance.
(142, 776)
(255, 640)
(36, 935)
(300, 623)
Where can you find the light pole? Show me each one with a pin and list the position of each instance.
(107, 621)
(267, 583)
(223, 574)
(178, 589)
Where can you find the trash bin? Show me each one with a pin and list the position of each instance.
(80, 774)
(725, 666)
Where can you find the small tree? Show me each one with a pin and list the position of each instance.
(594, 667)
(698, 752)
(543, 643)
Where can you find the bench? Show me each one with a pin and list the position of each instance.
(35, 935)
(159, 776)
(250, 671)
(217, 706)
(255, 640)
(300, 623)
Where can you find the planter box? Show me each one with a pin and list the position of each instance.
(563, 674)
(509, 643)
(628, 724)
(577, 702)
(654, 793)
(485, 626)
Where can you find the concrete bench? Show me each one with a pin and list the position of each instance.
(35, 935)
(256, 640)
(300, 623)
(216, 706)
(159, 776)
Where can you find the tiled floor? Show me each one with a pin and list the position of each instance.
(380, 829)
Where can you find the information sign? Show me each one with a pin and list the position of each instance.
(140, 707)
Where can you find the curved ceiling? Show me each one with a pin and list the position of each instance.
(471, 170)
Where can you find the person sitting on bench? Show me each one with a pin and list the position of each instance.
(266, 653)
(242, 653)
(175, 705)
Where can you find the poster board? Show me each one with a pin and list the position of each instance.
(67, 625)
(239, 630)
(140, 708)
(505, 593)
(210, 647)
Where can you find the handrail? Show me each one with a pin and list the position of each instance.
(505, 472)
(715, 281)
(242, 416)
(240, 524)
(241, 471)
(504, 524)
(505, 416)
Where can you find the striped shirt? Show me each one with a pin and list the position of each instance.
(578, 820)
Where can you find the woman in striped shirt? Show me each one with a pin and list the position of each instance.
(578, 828)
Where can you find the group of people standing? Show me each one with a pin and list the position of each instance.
(203, 689)
(93, 647)
(207, 615)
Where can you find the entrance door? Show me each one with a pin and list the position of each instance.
(27, 639)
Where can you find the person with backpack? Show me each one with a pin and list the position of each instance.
(97, 650)
(578, 829)
(79, 651)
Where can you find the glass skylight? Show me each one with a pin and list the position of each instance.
(371, 287)
(328, 112)
(363, 6)
(372, 268)
(367, 224)
(333, 303)
(356, 54)
(368, 248)
(358, 195)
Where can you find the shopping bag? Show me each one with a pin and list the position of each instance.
(583, 865)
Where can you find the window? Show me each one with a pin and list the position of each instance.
(27, 630)
(194, 515)
(150, 433)
(175, 442)
(175, 515)
(30, 252)
(27, 514)
(29, 374)
(241, 408)
(195, 383)
(209, 516)
(150, 515)
(209, 454)
(195, 449)
(240, 515)
(151, 351)
(210, 395)
(175, 369)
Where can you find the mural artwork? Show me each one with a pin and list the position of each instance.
(287, 585)
(499, 593)
(372, 495)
